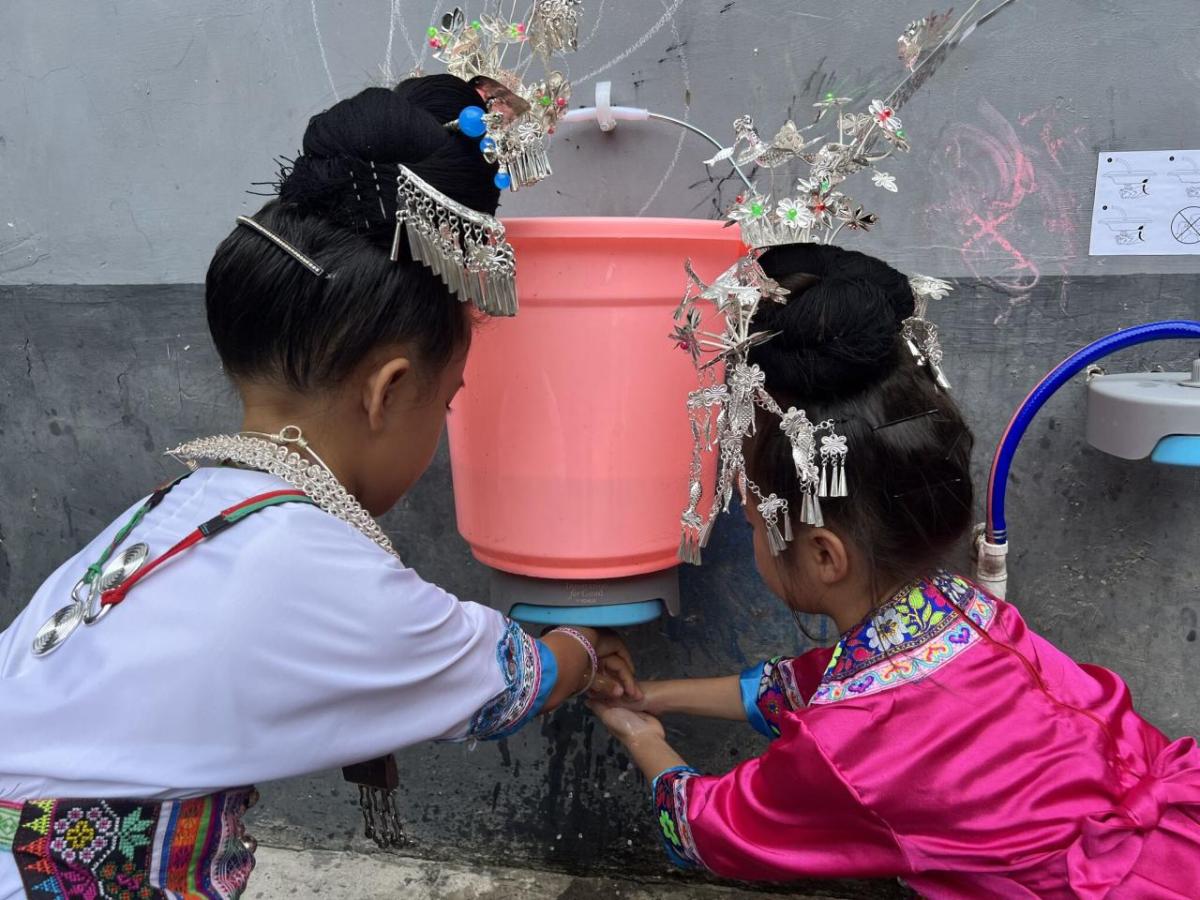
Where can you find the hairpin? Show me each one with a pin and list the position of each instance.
(945, 482)
(282, 245)
(903, 419)
(465, 248)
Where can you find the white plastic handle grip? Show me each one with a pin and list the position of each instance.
(604, 113)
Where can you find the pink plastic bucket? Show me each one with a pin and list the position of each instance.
(570, 444)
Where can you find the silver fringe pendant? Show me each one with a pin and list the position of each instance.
(810, 511)
(466, 249)
(833, 460)
(771, 507)
(530, 164)
(691, 535)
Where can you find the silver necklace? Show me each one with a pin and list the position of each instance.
(274, 454)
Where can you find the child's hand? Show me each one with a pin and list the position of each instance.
(642, 735)
(615, 677)
(653, 699)
(719, 698)
(627, 725)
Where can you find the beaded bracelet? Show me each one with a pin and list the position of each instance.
(587, 645)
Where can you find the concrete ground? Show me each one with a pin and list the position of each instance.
(338, 875)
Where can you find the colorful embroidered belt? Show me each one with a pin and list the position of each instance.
(130, 849)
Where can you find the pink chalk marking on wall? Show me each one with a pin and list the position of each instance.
(1002, 191)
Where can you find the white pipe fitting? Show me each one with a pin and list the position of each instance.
(991, 563)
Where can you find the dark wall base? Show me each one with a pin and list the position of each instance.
(96, 381)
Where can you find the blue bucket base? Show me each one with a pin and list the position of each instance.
(1177, 450)
(611, 616)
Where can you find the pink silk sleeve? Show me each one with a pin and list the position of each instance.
(784, 815)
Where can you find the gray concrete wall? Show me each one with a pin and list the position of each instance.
(129, 133)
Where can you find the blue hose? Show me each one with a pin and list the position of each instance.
(997, 527)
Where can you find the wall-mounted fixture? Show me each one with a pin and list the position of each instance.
(1133, 416)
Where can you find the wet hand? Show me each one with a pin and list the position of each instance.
(627, 725)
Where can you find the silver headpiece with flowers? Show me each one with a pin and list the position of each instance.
(466, 248)
(714, 322)
(493, 53)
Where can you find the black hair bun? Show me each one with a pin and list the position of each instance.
(348, 166)
(839, 330)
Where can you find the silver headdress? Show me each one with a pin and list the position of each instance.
(493, 53)
(467, 249)
(722, 411)
(814, 209)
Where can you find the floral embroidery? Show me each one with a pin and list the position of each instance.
(125, 882)
(774, 692)
(133, 850)
(917, 631)
(520, 659)
(82, 837)
(670, 802)
(888, 629)
(668, 827)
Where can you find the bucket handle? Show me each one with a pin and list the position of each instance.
(607, 116)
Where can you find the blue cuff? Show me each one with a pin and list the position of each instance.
(549, 678)
(751, 685)
(529, 671)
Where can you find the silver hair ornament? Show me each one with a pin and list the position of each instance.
(817, 210)
(554, 27)
(723, 410)
(466, 249)
(920, 335)
(522, 112)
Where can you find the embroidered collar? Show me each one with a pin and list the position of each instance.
(919, 629)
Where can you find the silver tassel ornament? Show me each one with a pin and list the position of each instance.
(810, 512)
(466, 249)
(775, 539)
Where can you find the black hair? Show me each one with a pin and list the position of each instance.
(839, 354)
(272, 319)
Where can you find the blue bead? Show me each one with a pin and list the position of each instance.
(487, 144)
(470, 121)
(503, 180)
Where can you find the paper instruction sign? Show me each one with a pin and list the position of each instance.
(1147, 203)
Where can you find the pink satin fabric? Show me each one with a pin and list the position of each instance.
(969, 782)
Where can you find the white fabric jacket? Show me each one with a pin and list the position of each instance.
(289, 643)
